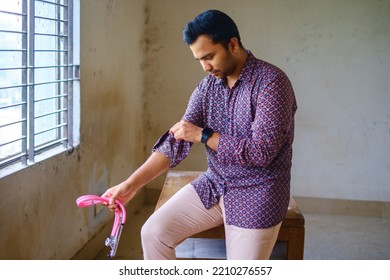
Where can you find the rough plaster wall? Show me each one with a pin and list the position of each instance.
(39, 218)
(337, 54)
(37, 210)
(112, 55)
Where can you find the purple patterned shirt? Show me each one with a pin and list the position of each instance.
(252, 167)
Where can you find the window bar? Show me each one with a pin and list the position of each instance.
(50, 19)
(11, 31)
(14, 68)
(14, 13)
(51, 97)
(13, 50)
(36, 67)
(66, 76)
(58, 62)
(24, 81)
(13, 141)
(51, 128)
(50, 66)
(50, 82)
(50, 144)
(52, 35)
(12, 123)
(52, 3)
(31, 62)
(17, 86)
(69, 29)
(23, 103)
(51, 113)
(53, 51)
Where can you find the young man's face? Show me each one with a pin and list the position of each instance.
(214, 58)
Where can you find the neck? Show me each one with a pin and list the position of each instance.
(241, 59)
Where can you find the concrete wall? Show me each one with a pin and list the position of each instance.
(39, 217)
(337, 55)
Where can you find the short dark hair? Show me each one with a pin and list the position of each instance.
(213, 23)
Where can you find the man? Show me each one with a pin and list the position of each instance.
(243, 112)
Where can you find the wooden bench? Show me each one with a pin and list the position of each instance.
(292, 230)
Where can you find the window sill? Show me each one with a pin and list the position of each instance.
(13, 168)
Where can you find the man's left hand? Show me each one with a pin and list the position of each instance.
(187, 131)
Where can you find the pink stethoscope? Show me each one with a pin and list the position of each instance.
(119, 220)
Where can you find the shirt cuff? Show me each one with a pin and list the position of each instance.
(172, 149)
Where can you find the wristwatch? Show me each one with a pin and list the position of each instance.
(206, 134)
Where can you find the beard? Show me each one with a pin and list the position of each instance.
(228, 67)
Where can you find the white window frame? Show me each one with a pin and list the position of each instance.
(66, 112)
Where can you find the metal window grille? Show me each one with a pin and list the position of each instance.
(37, 77)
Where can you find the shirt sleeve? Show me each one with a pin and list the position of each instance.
(172, 149)
(175, 150)
(273, 121)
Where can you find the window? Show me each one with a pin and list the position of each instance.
(39, 80)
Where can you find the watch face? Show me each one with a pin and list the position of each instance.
(206, 133)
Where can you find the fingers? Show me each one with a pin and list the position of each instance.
(174, 128)
(107, 194)
(179, 126)
(111, 201)
(111, 194)
(122, 192)
(185, 130)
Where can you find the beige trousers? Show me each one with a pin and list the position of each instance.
(184, 215)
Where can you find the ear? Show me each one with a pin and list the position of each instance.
(234, 46)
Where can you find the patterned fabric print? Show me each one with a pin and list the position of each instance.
(252, 167)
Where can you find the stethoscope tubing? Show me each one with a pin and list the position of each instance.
(120, 214)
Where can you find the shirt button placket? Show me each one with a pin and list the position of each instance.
(230, 111)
